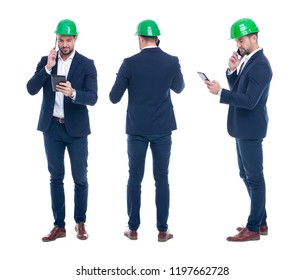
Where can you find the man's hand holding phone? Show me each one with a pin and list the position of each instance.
(234, 61)
(51, 59)
(65, 88)
(213, 86)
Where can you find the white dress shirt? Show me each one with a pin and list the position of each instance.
(63, 68)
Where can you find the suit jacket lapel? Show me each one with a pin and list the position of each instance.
(74, 64)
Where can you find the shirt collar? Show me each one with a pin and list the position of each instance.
(149, 47)
(251, 54)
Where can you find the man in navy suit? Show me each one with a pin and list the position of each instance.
(64, 121)
(149, 77)
(248, 119)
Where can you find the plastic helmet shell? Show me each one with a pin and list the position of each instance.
(148, 28)
(243, 27)
(66, 27)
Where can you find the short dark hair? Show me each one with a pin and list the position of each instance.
(255, 33)
(150, 38)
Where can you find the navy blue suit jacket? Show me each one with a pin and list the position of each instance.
(247, 98)
(149, 76)
(83, 77)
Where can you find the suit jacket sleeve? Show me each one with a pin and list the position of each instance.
(120, 85)
(39, 78)
(178, 83)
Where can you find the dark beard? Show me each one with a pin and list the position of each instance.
(66, 54)
(247, 52)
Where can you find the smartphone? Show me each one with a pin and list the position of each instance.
(56, 79)
(203, 76)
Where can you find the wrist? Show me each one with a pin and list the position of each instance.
(48, 70)
(72, 95)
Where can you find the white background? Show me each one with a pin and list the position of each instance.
(208, 199)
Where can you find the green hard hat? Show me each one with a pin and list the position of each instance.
(66, 27)
(243, 27)
(147, 28)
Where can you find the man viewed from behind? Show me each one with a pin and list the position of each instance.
(149, 76)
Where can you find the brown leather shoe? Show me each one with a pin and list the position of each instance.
(55, 233)
(245, 235)
(263, 229)
(164, 236)
(81, 232)
(131, 234)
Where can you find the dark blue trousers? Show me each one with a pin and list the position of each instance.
(160, 146)
(250, 160)
(56, 141)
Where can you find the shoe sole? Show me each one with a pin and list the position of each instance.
(253, 239)
(164, 240)
(82, 238)
(244, 240)
(60, 236)
(130, 237)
